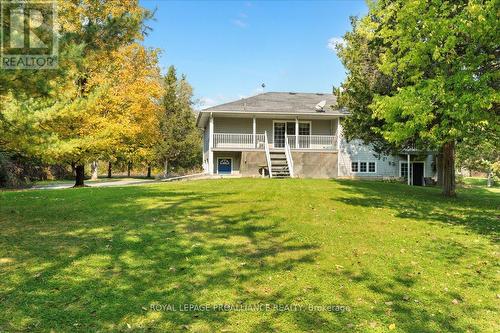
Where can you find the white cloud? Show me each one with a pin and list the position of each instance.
(206, 102)
(239, 23)
(333, 42)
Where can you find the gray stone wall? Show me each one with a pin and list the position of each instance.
(306, 164)
(251, 161)
(315, 164)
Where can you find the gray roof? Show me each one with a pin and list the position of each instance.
(281, 102)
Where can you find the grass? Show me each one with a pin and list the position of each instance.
(400, 258)
(478, 182)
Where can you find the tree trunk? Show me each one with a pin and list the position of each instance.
(165, 170)
(439, 167)
(73, 169)
(490, 179)
(109, 170)
(79, 175)
(129, 169)
(94, 170)
(149, 172)
(449, 169)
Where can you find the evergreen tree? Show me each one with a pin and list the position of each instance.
(180, 143)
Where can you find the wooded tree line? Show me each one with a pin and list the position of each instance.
(107, 100)
(425, 74)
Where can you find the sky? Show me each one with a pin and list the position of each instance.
(227, 49)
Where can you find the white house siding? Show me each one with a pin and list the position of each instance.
(265, 125)
(321, 127)
(233, 125)
(386, 166)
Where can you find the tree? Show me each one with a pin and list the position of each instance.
(440, 59)
(481, 153)
(359, 55)
(180, 141)
(109, 95)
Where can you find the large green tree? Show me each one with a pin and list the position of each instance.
(440, 61)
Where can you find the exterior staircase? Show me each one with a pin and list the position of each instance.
(279, 164)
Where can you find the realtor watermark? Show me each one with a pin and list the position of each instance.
(253, 307)
(29, 37)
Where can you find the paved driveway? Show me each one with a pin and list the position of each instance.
(97, 184)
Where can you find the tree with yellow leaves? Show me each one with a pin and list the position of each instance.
(104, 98)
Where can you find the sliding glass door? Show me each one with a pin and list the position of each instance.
(280, 127)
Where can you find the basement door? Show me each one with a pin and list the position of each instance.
(224, 166)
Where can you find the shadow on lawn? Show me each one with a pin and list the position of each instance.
(478, 214)
(415, 310)
(412, 310)
(102, 263)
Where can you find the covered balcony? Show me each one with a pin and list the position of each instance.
(250, 133)
(247, 141)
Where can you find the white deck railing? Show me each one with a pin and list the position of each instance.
(321, 142)
(288, 154)
(238, 140)
(233, 140)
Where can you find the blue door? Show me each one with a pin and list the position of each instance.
(224, 166)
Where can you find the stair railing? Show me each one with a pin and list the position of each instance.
(288, 154)
(268, 155)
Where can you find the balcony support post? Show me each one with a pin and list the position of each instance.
(296, 133)
(211, 146)
(254, 129)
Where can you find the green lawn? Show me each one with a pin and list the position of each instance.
(478, 181)
(402, 259)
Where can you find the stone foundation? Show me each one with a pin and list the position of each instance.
(251, 161)
(306, 164)
(315, 164)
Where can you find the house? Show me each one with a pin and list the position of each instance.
(283, 134)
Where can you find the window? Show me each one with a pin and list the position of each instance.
(403, 170)
(304, 129)
(354, 166)
(363, 166)
(371, 167)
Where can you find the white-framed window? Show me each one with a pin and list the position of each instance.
(403, 170)
(363, 167)
(354, 167)
(372, 167)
